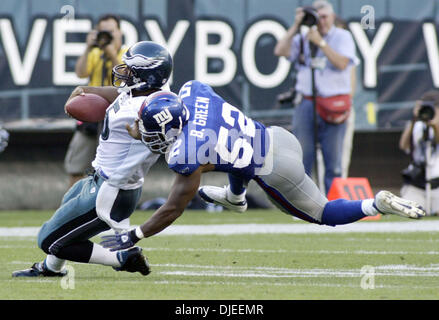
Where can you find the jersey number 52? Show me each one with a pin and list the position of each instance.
(246, 127)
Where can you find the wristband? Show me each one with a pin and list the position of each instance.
(138, 233)
(132, 236)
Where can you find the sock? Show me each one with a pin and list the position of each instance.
(78, 252)
(236, 184)
(368, 207)
(101, 255)
(235, 198)
(342, 211)
(54, 264)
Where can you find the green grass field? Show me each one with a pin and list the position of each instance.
(265, 265)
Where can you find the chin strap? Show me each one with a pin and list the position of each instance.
(128, 89)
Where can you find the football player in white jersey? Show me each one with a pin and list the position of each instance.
(107, 198)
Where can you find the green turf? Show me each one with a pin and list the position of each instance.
(260, 266)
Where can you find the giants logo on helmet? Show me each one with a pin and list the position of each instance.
(163, 117)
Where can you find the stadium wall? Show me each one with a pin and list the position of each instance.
(32, 175)
(225, 43)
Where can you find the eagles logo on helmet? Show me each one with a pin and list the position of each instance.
(147, 65)
(162, 117)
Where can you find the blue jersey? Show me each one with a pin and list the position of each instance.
(217, 133)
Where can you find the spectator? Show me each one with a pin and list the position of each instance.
(422, 128)
(104, 48)
(336, 53)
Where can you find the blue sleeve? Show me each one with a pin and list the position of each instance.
(184, 169)
(186, 92)
(178, 158)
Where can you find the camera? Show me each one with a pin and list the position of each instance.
(311, 17)
(426, 112)
(103, 38)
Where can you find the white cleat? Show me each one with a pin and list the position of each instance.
(218, 195)
(387, 203)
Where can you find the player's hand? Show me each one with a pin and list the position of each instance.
(78, 91)
(120, 241)
(134, 130)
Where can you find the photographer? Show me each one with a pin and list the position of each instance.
(104, 51)
(329, 53)
(423, 128)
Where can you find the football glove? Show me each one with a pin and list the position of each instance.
(120, 241)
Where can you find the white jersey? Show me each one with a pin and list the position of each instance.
(120, 159)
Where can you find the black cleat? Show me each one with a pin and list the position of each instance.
(133, 260)
(38, 269)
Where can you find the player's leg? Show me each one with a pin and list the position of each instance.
(231, 196)
(41, 268)
(120, 205)
(293, 192)
(65, 236)
(52, 265)
(75, 210)
(73, 191)
(131, 260)
(69, 240)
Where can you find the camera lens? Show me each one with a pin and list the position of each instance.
(103, 38)
(426, 112)
(311, 18)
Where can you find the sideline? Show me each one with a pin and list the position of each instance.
(293, 228)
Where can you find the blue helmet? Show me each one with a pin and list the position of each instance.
(162, 117)
(146, 64)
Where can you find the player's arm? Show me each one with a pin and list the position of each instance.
(182, 192)
(108, 93)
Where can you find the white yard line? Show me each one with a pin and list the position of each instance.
(268, 283)
(293, 228)
(225, 250)
(227, 271)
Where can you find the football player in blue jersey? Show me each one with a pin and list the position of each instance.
(108, 197)
(199, 132)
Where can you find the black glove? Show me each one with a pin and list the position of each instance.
(120, 241)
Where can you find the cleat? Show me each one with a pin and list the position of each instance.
(387, 203)
(133, 260)
(38, 269)
(218, 195)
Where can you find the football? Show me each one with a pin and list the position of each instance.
(88, 107)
